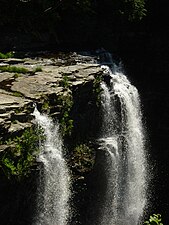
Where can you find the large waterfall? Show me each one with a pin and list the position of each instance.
(123, 141)
(53, 187)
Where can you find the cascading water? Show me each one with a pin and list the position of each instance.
(124, 145)
(53, 191)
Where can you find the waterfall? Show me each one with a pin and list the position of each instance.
(53, 186)
(123, 141)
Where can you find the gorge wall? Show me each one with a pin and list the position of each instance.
(75, 77)
(67, 88)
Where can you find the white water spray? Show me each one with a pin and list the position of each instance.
(123, 140)
(53, 191)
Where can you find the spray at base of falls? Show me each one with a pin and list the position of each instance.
(54, 180)
(123, 141)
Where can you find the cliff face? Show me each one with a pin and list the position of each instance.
(74, 75)
(67, 88)
(42, 83)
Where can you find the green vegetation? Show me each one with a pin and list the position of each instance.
(66, 123)
(65, 83)
(48, 14)
(21, 155)
(37, 69)
(133, 9)
(66, 101)
(17, 94)
(155, 219)
(19, 109)
(97, 89)
(45, 105)
(16, 75)
(6, 55)
(17, 70)
(13, 69)
(83, 158)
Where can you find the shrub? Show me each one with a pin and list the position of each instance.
(65, 83)
(18, 160)
(155, 219)
(83, 158)
(66, 123)
(7, 55)
(97, 90)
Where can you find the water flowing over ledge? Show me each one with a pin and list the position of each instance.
(54, 182)
(123, 140)
(122, 186)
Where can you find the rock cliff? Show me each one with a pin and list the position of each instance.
(66, 87)
(42, 81)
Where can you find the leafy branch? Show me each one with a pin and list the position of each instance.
(155, 219)
(18, 160)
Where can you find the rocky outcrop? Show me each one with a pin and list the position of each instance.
(44, 80)
(59, 85)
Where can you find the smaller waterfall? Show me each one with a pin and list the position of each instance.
(53, 191)
(123, 140)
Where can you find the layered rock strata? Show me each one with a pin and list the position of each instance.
(44, 80)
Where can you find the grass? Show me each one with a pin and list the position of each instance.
(16, 75)
(13, 69)
(6, 56)
(17, 70)
(37, 69)
(17, 94)
(65, 81)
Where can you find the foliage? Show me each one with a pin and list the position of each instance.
(83, 158)
(37, 69)
(13, 69)
(6, 55)
(155, 219)
(45, 105)
(16, 75)
(17, 70)
(48, 13)
(66, 101)
(65, 81)
(136, 9)
(97, 89)
(18, 160)
(17, 94)
(66, 123)
(131, 10)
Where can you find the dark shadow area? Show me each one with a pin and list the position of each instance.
(17, 200)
